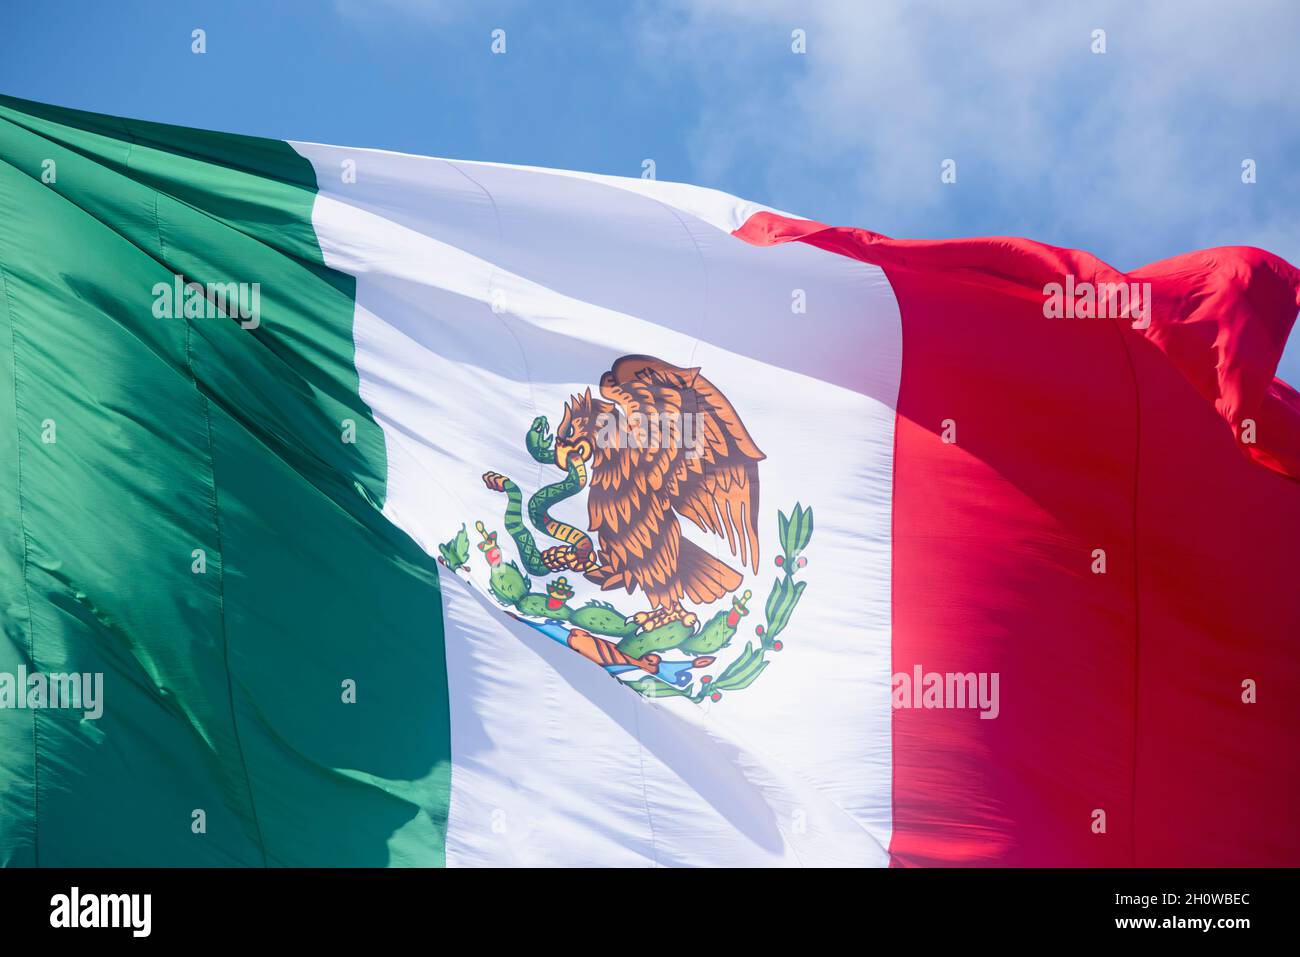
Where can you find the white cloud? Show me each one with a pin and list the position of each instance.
(1135, 153)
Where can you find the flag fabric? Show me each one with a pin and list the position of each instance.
(362, 508)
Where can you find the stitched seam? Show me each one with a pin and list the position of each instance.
(1137, 628)
(221, 610)
(27, 592)
(248, 429)
(890, 859)
(645, 791)
(221, 556)
(492, 278)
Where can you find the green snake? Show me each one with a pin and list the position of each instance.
(577, 552)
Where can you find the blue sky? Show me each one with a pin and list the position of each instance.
(1134, 154)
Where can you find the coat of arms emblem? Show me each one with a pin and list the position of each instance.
(658, 444)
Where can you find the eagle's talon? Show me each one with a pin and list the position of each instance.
(659, 617)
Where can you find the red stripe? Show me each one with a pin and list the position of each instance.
(1119, 692)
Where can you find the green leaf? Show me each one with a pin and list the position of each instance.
(736, 684)
(801, 529)
(795, 531)
(654, 688)
(455, 552)
(779, 616)
(742, 672)
(774, 598)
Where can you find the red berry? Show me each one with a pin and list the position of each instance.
(802, 562)
(716, 696)
(780, 560)
(776, 645)
(759, 631)
(706, 679)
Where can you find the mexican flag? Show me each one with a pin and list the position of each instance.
(373, 509)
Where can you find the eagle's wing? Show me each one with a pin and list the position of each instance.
(708, 471)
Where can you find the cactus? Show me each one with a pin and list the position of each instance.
(714, 635)
(512, 587)
(662, 638)
(508, 583)
(720, 629)
(536, 605)
(602, 619)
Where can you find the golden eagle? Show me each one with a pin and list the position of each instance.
(663, 442)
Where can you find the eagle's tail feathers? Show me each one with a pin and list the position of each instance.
(703, 577)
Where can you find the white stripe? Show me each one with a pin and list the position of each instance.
(553, 761)
(720, 210)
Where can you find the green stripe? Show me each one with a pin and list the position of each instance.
(222, 690)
